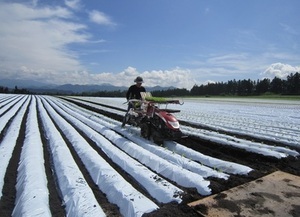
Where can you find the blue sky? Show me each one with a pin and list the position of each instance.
(167, 42)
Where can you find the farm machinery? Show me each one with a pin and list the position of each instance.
(156, 123)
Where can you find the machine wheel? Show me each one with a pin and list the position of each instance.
(157, 138)
(145, 130)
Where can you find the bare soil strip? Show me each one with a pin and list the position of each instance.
(276, 194)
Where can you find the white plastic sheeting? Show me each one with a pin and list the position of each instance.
(273, 120)
(259, 148)
(118, 191)
(179, 175)
(11, 112)
(72, 186)
(77, 195)
(10, 102)
(8, 143)
(32, 197)
(157, 186)
(221, 165)
(255, 127)
(176, 153)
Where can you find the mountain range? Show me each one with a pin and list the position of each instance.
(39, 87)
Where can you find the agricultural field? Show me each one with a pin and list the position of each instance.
(69, 156)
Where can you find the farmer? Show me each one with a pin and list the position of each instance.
(134, 92)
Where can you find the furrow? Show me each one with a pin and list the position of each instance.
(171, 171)
(77, 195)
(130, 201)
(32, 192)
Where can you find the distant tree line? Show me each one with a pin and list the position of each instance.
(4, 89)
(289, 86)
(16, 90)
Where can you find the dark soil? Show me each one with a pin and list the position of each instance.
(262, 166)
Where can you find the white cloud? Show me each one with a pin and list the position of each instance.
(236, 62)
(280, 70)
(176, 77)
(33, 41)
(100, 18)
(224, 67)
(34, 46)
(18, 12)
(74, 4)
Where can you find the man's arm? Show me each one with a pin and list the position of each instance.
(128, 92)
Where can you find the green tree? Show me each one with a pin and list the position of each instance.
(277, 85)
(262, 86)
(293, 83)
